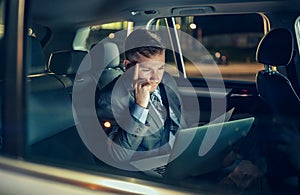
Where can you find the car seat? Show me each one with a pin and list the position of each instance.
(51, 131)
(98, 69)
(105, 60)
(276, 50)
(64, 64)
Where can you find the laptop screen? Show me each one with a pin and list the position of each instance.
(209, 146)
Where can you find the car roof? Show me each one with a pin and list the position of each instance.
(80, 13)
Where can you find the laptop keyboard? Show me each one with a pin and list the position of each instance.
(160, 170)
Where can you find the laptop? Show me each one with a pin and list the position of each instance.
(209, 145)
(158, 161)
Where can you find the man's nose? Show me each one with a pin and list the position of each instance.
(154, 76)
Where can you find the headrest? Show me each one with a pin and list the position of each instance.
(275, 48)
(105, 54)
(66, 62)
(36, 60)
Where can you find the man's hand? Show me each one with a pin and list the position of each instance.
(289, 143)
(243, 176)
(141, 89)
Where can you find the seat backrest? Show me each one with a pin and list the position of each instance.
(276, 49)
(51, 130)
(49, 104)
(64, 64)
(98, 69)
(105, 59)
(36, 59)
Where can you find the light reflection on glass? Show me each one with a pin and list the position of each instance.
(128, 187)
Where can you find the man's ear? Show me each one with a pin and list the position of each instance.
(126, 62)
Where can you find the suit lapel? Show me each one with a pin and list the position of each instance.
(174, 104)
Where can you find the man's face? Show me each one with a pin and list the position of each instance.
(152, 69)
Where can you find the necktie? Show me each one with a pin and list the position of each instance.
(159, 108)
(160, 104)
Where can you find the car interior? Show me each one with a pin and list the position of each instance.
(238, 54)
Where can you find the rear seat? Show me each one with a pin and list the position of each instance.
(51, 128)
(99, 68)
(104, 59)
(64, 64)
(59, 123)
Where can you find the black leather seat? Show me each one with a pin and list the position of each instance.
(64, 64)
(105, 62)
(102, 67)
(46, 92)
(99, 68)
(276, 50)
(51, 131)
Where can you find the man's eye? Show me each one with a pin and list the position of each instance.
(145, 70)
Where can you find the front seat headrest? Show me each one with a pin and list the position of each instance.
(66, 62)
(36, 59)
(275, 48)
(105, 55)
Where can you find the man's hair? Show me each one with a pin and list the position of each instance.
(142, 42)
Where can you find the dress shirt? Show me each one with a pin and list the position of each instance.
(141, 114)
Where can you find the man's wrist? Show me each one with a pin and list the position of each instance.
(142, 104)
(139, 113)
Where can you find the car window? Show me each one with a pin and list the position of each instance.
(161, 27)
(87, 37)
(230, 42)
(2, 14)
(46, 120)
(297, 29)
(2, 19)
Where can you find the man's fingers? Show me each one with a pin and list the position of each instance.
(141, 82)
(144, 86)
(136, 72)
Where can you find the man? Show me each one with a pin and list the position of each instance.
(142, 126)
(142, 105)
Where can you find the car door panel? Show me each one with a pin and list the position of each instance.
(242, 96)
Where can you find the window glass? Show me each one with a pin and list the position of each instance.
(54, 118)
(297, 28)
(230, 40)
(87, 37)
(162, 29)
(2, 14)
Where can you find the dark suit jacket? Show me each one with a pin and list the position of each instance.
(128, 134)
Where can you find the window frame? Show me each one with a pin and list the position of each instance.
(13, 91)
(174, 39)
